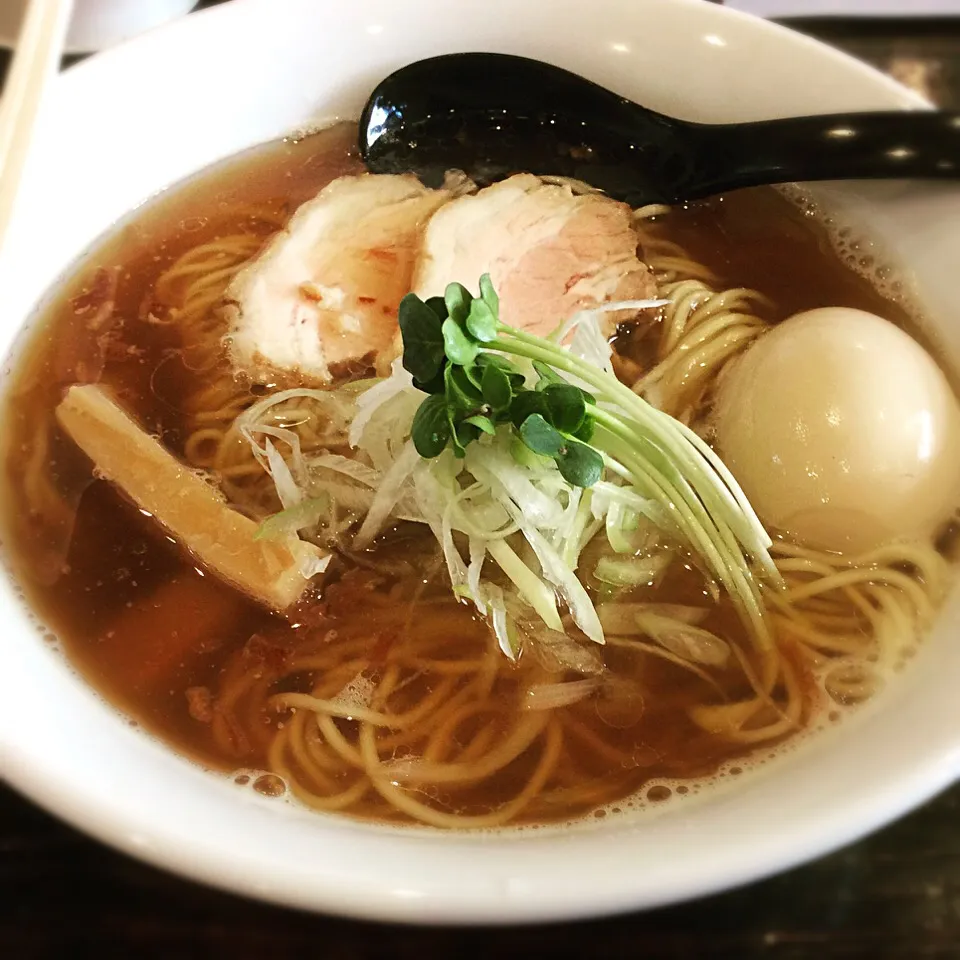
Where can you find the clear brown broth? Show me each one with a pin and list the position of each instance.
(144, 626)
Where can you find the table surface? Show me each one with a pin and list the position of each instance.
(893, 895)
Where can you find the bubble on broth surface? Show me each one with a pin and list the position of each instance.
(270, 785)
(263, 782)
(850, 683)
(859, 252)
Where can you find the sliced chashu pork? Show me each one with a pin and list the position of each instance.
(549, 251)
(323, 294)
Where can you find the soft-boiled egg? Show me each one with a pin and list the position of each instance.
(842, 431)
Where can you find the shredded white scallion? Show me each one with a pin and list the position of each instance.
(551, 696)
(371, 400)
(685, 640)
(504, 630)
(478, 553)
(288, 491)
(564, 579)
(391, 486)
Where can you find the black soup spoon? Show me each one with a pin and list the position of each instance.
(492, 115)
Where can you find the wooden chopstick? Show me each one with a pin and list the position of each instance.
(35, 60)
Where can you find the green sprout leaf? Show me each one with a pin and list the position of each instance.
(579, 464)
(483, 423)
(482, 322)
(467, 432)
(495, 387)
(549, 376)
(524, 404)
(489, 295)
(460, 349)
(546, 374)
(462, 394)
(436, 384)
(458, 449)
(585, 431)
(517, 379)
(495, 360)
(565, 406)
(540, 437)
(438, 306)
(423, 340)
(457, 299)
(474, 373)
(523, 455)
(431, 427)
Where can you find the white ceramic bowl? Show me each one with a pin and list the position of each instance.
(98, 24)
(122, 126)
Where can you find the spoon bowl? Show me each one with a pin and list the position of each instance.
(491, 115)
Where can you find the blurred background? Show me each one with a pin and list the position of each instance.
(916, 41)
(893, 896)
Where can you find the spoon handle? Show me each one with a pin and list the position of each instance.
(835, 147)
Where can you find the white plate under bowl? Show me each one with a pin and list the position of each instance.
(122, 126)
